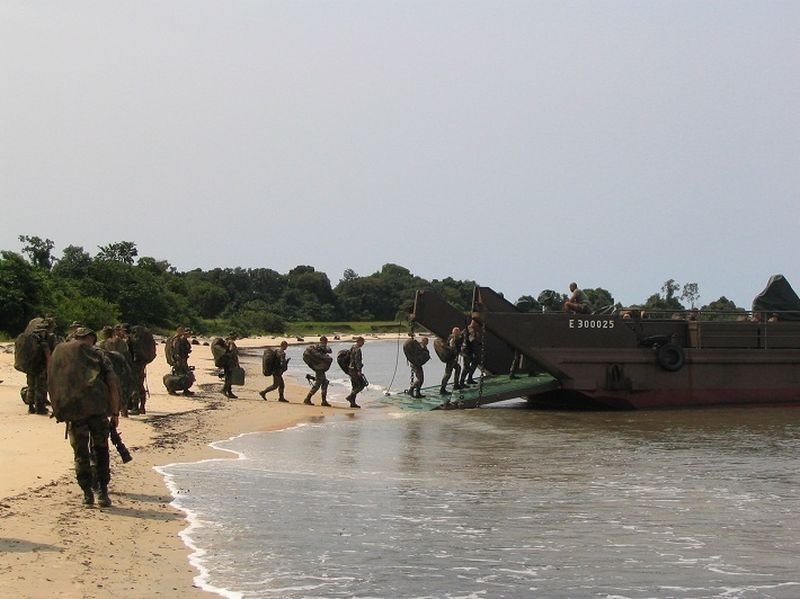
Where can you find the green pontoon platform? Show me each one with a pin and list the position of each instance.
(494, 388)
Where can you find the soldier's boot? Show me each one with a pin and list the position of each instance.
(352, 399)
(263, 395)
(88, 497)
(283, 399)
(141, 408)
(308, 401)
(103, 500)
(325, 401)
(443, 391)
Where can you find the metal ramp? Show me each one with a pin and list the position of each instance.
(495, 388)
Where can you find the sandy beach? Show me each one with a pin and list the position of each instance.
(51, 545)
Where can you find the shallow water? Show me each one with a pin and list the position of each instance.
(503, 502)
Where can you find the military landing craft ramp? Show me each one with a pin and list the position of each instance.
(494, 388)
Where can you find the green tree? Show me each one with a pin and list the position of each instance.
(73, 264)
(599, 298)
(527, 303)
(691, 293)
(121, 251)
(38, 251)
(21, 292)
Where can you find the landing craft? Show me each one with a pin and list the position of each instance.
(628, 360)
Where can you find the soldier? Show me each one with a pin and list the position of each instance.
(36, 381)
(320, 380)
(416, 369)
(577, 302)
(452, 366)
(470, 346)
(231, 362)
(85, 394)
(181, 348)
(72, 328)
(357, 380)
(277, 374)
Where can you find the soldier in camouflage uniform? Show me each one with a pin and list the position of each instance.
(357, 381)
(277, 375)
(182, 347)
(452, 367)
(231, 362)
(320, 379)
(419, 374)
(36, 390)
(88, 435)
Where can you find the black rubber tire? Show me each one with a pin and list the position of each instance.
(670, 357)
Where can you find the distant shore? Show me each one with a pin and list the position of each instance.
(52, 545)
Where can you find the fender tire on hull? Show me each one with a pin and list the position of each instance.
(670, 357)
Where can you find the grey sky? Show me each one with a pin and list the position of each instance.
(520, 144)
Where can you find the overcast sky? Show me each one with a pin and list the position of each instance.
(521, 144)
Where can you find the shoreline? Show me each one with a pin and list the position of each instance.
(51, 544)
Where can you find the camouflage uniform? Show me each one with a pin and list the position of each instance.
(231, 362)
(418, 373)
(88, 436)
(36, 391)
(320, 380)
(357, 381)
(277, 375)
(452, 365)
(470, 343)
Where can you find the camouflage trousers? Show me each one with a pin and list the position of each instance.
(419, 377)
(36, 395)
(320, 382)
(450, 367)
(89, 440)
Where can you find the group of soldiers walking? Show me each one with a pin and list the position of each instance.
(274, 364)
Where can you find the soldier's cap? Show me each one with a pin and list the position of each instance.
(188, 330)
(323, 339)
(75, 324)
(361, 339)
(84, 332)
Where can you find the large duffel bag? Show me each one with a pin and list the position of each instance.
(316, 360)
(415, 353)
(237, 375)
(77, 389)
(443, 350)
(219, 350)
(178, 382)
(143, 345)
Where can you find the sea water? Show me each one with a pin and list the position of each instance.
(499, 502)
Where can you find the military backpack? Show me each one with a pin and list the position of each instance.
(343, 359)
(269, 362)
(29, 354)
(219, 350)
(76, 383)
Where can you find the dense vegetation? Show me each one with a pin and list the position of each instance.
(117, 285)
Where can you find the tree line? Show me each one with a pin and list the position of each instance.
(117, 285)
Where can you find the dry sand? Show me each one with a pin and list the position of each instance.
(51, 545)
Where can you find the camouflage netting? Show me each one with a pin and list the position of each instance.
(779, 298)
(76, 388)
